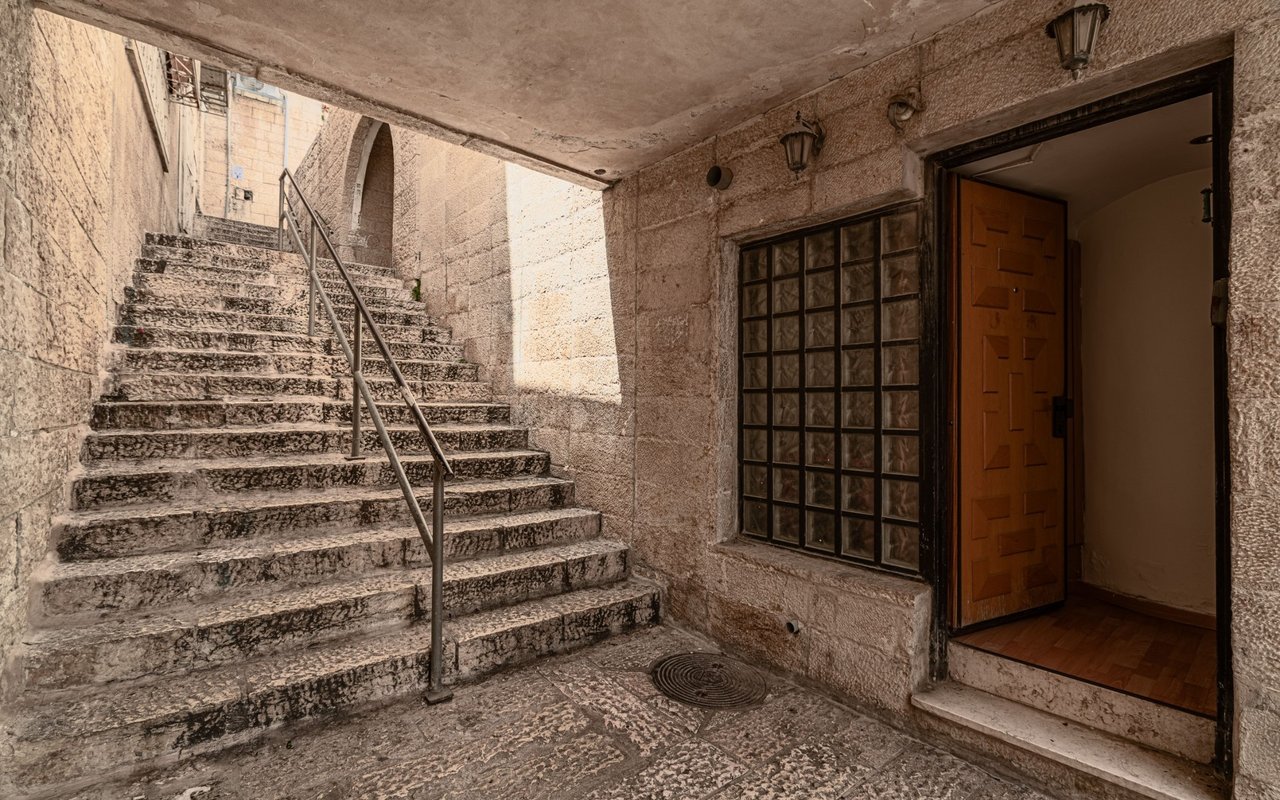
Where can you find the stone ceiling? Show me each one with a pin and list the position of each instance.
(595, 87)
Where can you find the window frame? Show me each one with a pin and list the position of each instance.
(840, 304)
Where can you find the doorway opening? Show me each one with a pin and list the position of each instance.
(373, 196)
(1081, 401)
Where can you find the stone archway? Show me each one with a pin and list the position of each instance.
(373, 193)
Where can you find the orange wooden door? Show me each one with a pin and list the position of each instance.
(1010, 469)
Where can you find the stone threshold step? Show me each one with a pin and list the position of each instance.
(172, 386)
(81, 589)
(1114, 766)
(285, 439)
(156, 642)
(249, 322)
(196, 280)
(235, 413)
(144, 484)
(66, 744)
(1180, 733)
(180, 241)
(181, 524)
(178, 360)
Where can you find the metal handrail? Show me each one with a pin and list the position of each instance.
(433, 538)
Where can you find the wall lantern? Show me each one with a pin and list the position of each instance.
(802, 143)
(1076, 32)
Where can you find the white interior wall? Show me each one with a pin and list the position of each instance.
(1148, 394)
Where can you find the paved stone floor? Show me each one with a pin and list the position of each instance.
(586, 725)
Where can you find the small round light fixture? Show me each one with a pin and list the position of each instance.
(1076, 32)
(802, 144)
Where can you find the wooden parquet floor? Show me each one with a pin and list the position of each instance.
(1168, 662)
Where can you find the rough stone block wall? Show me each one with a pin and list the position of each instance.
(512, 264)
(257, 154)
(80, 182)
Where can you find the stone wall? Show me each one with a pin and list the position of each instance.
(619, 350)
(258, 146)
(81, 180)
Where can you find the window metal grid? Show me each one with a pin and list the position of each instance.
(829, 399)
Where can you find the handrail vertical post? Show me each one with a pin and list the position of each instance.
(280, 218)
(357, 347)
(436, 693)
(313, 276)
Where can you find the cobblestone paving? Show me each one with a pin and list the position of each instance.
(586, 726)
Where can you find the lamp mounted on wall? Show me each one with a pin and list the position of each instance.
(1076, 32)
(802, 143)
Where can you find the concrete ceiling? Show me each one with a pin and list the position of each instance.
(587, 85)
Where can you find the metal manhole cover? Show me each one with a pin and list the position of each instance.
(709, 680)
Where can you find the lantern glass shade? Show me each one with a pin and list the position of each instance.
(1076, 33)
(801, 144)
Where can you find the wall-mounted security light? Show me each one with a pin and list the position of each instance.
(1076, 33)
(802, 143)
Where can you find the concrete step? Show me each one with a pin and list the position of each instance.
(1073, 761)
(81, 590)
(121, 485)
(149, 316)
(263, 342)
(171, 386)
(182, 415)
(101, 449)
(84, 739)
(157, 359)
(1155, 725)
(198, 636)
(184, 525)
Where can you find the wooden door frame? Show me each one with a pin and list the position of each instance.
(938, 343)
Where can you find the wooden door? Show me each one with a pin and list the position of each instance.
(1008, 554)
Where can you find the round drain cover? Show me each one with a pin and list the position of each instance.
(709, 680)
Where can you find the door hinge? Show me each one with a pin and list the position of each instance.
(1064, 408)
(1218, 307)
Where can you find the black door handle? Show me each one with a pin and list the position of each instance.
(1063, 409)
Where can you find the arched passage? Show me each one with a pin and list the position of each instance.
(372, 207)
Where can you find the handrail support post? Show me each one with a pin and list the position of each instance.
(313, 276)
(357, 347)
(280, 218)
(436, 692)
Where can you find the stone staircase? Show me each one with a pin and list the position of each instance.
(223, 569)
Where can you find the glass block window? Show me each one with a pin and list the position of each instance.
(829, 422)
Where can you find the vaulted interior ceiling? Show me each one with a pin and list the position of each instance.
(596, 86)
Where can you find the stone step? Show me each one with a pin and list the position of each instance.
(263, 342)
(184, 525)
(236, 231)
(186, 248)
(101, 449)
(146, 316)
(1075, 761)
(1155, 725)
(83, 589)
(85, 739)
(117, 485)
(159, 359)
(200, 636)
(293, 273)
(266, 286)
(182, 415)
(286, 300)
(152, 386)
